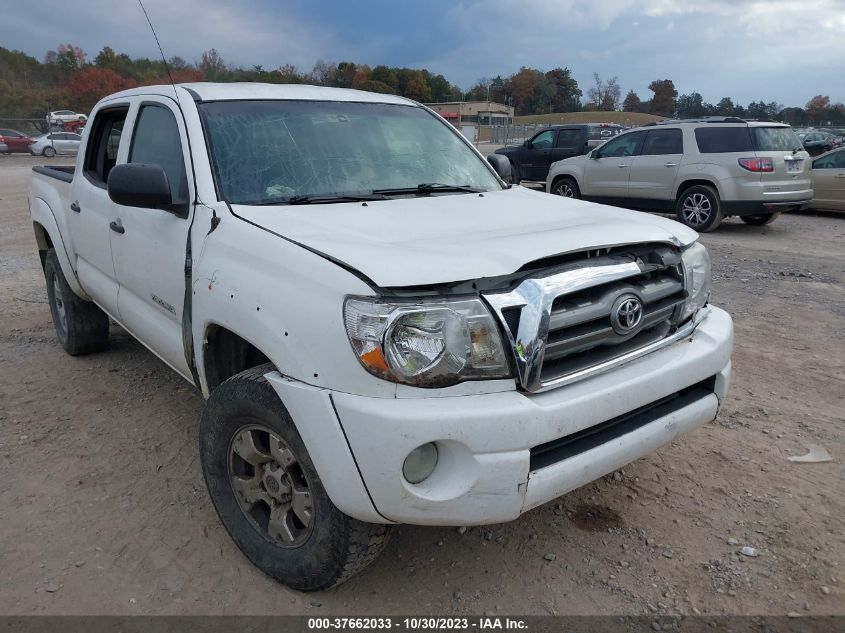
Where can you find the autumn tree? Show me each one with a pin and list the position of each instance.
(663, 101)
(68, 57)
(87, 86)
(632, 102)
(817, 108)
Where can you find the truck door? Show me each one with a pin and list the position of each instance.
(91, 210)
(655, 168)
(569, 142)
(535, 157)
(150, 244)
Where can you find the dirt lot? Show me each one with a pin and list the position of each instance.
(103, 508)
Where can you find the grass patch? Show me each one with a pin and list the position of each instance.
(622, 118)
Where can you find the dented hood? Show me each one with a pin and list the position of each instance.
(446, 238)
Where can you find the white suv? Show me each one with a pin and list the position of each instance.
(704, 170)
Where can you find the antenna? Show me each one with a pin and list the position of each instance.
(163, 58)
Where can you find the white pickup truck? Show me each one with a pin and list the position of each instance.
(385, 331)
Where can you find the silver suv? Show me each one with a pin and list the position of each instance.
(704, 170)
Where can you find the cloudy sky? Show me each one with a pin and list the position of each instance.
(781, 50)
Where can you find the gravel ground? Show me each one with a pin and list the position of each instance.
(103, 509)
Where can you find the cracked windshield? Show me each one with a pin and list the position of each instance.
(269, 152)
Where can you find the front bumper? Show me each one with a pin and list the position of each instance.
(485, 472)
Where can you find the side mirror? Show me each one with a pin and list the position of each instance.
(528, 144)
(501, 165)
(594, 155)
(140, 185)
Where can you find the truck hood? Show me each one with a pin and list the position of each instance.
(448, 238)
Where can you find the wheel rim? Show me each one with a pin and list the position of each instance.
(49, 151)
(565, 190)
(697, 209)
(61, 311)
(270, 486)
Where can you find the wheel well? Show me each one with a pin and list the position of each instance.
(42, 238)
(226, 354)
(692, 183)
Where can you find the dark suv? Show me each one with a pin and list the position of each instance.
(532, 159)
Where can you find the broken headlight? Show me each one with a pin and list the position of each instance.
(696, 262)
(426, 343)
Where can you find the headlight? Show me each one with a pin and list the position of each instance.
(696, 261)
(426, 343)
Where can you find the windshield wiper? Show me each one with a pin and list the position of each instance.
(427, 188)
(323, 199)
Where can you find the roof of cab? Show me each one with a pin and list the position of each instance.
(207, 91)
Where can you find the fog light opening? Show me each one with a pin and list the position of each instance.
(420, 463)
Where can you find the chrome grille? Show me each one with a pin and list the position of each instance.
(560, 323)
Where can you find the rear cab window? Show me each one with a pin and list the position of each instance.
(723, 139)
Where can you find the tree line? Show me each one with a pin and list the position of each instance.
(68, 79)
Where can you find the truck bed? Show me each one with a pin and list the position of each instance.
(59, 172)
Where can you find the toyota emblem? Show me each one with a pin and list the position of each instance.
(626, 315)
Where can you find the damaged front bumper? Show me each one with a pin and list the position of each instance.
(501, 454)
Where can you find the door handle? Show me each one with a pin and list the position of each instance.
(670, 164)
(74, 206)
(622, 166)
(116, 226)
(840, 175)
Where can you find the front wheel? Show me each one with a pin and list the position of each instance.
(759, 219)
(268, 494)
(699, 208)
(566, 187)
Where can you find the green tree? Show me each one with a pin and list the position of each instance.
(665, 95)
(632, 102)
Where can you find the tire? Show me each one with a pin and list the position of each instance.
(759, 219)
(81, 327)
(49, 152)
(699, 208)
(516, 174)
(319, 551)
(566, 187)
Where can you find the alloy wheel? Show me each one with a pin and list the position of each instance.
(270, 486)
(697, 209)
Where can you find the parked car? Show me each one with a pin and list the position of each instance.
(829, 181)
(55, 143)
(532, 159)
(704, 170)
(817, 142)
(13, 141)
(60, 116)
(385, 331)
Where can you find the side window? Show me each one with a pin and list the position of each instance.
(543, 140)
(156, 140)
(831, 161)
(624, 145)
(568, 138)
(101, 153)
(720, 140)
(659, 142)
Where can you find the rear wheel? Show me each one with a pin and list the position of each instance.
(268, 494)
(566, 187)
(81, 326)
(699, 208)
(759, 219)
(49, 152)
